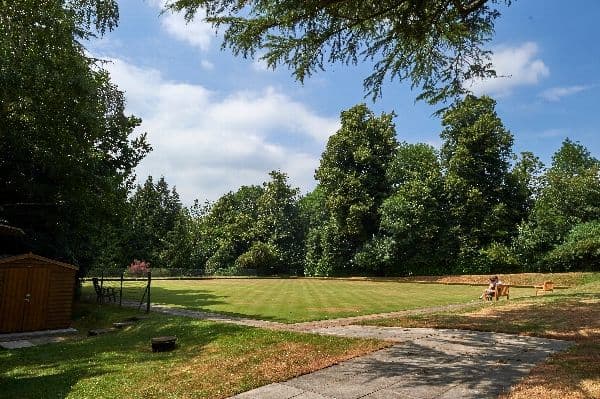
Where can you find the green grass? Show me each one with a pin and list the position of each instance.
(212, 360)
(305, 299)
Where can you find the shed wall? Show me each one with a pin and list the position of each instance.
(51, 287)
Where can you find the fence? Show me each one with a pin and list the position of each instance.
(128, 290)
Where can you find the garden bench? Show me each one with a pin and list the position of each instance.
(499, 291)
(548, 286)
(103, 292)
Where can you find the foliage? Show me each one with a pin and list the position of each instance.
(413, 217)
(261, 258)
(66, 148)
(481, 193)
(267, 215)
(180, 245)
(278, 223)
(436, 45)
(579, 251)
(570, 195)
(352, 175)
(154, 211)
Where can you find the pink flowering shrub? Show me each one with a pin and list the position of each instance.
(139, 267)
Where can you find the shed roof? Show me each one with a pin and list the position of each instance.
(7, 260)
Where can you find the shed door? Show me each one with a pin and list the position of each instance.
(24, 299)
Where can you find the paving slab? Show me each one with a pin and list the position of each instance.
(36, 334)
(423, 364)
(16, 344)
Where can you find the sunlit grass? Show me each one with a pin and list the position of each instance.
(305, 299)
(212, 360)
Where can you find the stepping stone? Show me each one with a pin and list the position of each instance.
(101, 331)
(16, 344)
(123, 324)
(136, 318)
(162, 344)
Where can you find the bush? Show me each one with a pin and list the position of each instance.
(264, 258)
(138, 267)
(579, 251)
(498, 258)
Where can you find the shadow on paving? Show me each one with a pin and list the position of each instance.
(429, 364)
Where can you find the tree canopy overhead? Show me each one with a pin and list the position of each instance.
(436, 45)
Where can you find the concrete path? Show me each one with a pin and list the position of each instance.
(297, 327)
(425, 364)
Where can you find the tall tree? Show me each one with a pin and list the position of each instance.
(67, 150)
(476, 156)
(155, 210)
(414, 217)
(229, 227)
(569, 196)
(278, 221)
(352, 174)
(436, 45)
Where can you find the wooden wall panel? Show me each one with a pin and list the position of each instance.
(50, 286)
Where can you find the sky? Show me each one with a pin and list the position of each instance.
(217, 122)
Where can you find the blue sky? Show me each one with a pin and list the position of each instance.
(217, 122)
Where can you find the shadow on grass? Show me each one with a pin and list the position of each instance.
(119, 358)
(199, 300)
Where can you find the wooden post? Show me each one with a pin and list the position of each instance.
(121, 290)
(148, 288)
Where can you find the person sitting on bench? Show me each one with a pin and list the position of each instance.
(489, 291)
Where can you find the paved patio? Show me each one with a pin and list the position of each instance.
(424, 364)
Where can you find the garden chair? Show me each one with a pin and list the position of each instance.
(548, 286)
(104, 292)
(499, 291)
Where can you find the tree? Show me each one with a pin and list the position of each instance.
(67, 153)
(352, 175)
(476, 157)
(569, 196)
(413, 231)
(436, 45)
(155, 210)
(229, 227)
(278, 222)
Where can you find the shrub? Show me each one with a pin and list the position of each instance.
(498, 258)
(264, 258)
(138, 267)
(579, 251)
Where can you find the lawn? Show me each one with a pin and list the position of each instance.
(305, 299)
(572, 314)
(212, 361)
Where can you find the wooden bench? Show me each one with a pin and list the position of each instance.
(548, 286)
(499, 291)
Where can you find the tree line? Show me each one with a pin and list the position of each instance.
(381, 207)
(386, 208)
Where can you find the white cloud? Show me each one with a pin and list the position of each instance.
(207, 144)
(514, 66)
(196, 33)
(556, 93)
(207, 65)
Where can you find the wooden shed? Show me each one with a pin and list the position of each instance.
(36, 293)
